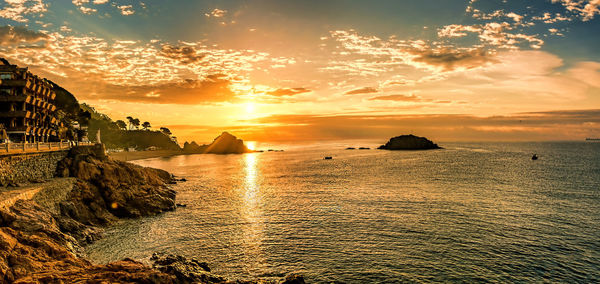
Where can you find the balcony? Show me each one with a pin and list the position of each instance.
(17, 113)
(11, 83)
(19, 98)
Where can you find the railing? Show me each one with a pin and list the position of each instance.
(39, 146)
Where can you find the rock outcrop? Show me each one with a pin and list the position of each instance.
(107, 189)
(39, 244)
(227, 144)
(409, 142)
(193, 148)
(34, 249)
(223, 144)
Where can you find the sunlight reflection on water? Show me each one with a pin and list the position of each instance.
(251, 211)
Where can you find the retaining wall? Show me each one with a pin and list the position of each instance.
(28, 167)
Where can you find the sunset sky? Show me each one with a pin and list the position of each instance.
(315, 69)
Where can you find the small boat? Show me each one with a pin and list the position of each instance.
(364, 148)
(350, 148)
(328, 158)
(534, 157)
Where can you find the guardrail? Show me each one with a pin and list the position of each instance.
(39, 146)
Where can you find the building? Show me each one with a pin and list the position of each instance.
(27, 110)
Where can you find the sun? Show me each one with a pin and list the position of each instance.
(250, 107)
(251, 145)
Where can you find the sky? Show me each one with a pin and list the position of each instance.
(274, 70)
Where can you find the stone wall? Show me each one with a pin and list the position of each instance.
(29, 167)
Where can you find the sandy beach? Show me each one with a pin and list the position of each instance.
(139, 155)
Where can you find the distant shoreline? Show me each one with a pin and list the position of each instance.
(140, 155)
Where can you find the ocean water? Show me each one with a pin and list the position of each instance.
(479, 212)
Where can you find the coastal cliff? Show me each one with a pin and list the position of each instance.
(409, 142)
(39, 244)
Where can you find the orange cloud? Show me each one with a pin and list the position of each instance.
(399, 98)
(15, 35)
(365, 90)
(556, 125)
(288, 92)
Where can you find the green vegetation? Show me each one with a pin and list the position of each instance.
(68, 111)
(75, 117)
(115, 135)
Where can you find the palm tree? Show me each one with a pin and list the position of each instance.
(146, 125)
(136, 123)
(121, 124)
(130, 120)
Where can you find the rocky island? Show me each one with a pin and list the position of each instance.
(225, 143)
(409, 142)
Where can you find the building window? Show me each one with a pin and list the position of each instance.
(5, 76)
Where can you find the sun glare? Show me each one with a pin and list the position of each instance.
(250, 108)
(251, 145)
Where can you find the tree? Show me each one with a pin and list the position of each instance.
(146, 125)
(130, 122)
(121, 124)
(136, 123)
(84, 117)
(166, 131)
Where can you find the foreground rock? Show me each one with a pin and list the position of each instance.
(195, 271)
(409, 142)
(223, 144)
(107, 189)
(39, 244)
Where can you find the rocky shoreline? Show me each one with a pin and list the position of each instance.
(43, 243)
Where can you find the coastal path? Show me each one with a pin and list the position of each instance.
(14, 148)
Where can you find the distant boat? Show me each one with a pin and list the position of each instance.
(364, 148)
(534, 157)
(350, 148)
(328, 158)
(592, 139)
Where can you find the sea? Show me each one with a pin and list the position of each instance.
(471, 212)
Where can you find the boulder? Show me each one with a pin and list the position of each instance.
(186, 270)
(409, 142)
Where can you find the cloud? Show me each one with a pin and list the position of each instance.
(135, 62)
(552, 125)
(586, 9)
(216, 13)
(185, 54)
(549, 18)
(288, 92)
(384, 56)
(449, 60)
(83, 9)
(126, 10)
(16, 10)
(15, 35)
(497, 34)
(212, 89)
(587, 72)
(365, 90)
(151, 72)
(397, 98)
